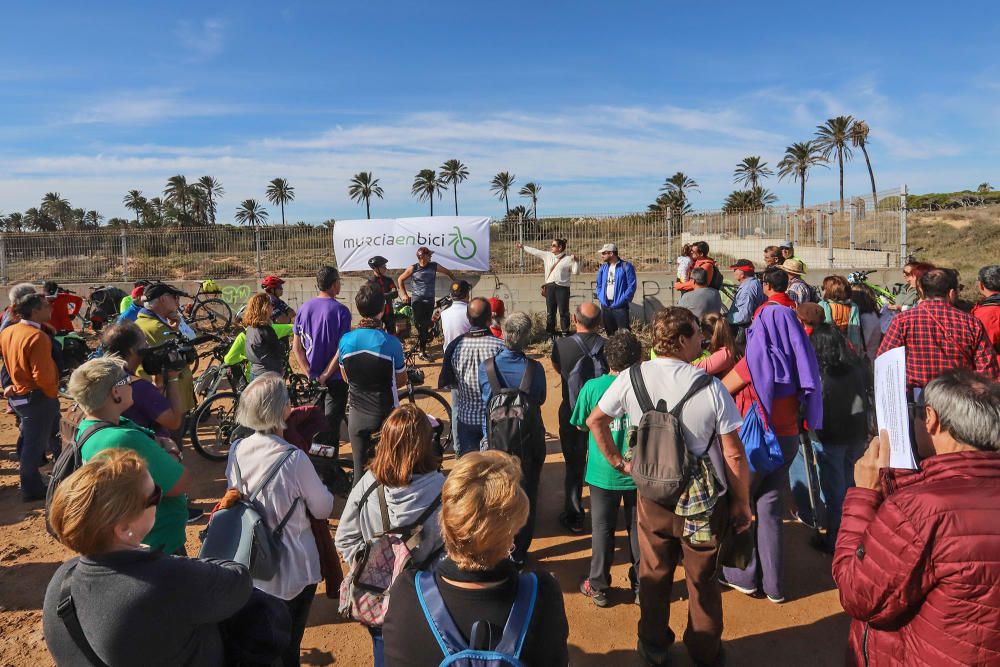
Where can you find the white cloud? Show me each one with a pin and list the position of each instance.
(203, 39)
(144, 107)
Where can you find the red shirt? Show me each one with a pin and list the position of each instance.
(64, 309)
(939, 337)
(784, 417)
(778, 298)
(988, 312)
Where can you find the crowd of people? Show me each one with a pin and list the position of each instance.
(700, 441)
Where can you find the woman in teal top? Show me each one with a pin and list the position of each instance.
(609, 486)
(103, 389)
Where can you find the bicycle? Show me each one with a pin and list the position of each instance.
(208, 382)
(207, 312)
(883, 296)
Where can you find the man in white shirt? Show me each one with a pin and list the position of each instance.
(662, 535)
(558, 267)
(455, 318)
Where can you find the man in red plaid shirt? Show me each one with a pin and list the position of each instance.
(938, 336)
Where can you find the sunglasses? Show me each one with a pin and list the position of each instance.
(155, 497)
(125, 381)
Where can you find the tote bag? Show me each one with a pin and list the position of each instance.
(760, 442)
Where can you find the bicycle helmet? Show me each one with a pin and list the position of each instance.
(377, 261)
(210, 287)
(271, 282)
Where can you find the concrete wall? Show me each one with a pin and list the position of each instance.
(518, 291)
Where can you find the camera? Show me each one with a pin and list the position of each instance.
(172, 355)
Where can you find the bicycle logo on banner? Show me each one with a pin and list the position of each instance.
(456, 240)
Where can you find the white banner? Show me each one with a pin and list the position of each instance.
(458, 242)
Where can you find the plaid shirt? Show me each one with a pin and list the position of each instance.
(939, 337)
(461, 372)
(697, 502)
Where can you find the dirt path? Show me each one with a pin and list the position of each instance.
(810, 628)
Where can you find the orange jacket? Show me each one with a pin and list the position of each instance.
(27, 354)
(706, 263)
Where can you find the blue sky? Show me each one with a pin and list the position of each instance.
(595, 101)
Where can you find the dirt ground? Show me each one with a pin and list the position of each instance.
(810, 628)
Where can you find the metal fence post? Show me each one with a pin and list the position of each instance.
(520, 239)
(795, 228)
(854, 215)
(124, 256)
(903, 247)
(256, 243)
(829, 239)
(3, 258)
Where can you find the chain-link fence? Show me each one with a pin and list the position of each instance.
(860, 236)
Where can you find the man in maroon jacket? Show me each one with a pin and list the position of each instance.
(916, 558)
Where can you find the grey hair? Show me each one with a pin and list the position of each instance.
(19, 291)
(91, 383)
(968, 405)
(517, 330)
(989, 276)
(262, 404)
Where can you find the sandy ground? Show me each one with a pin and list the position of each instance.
(810, 628)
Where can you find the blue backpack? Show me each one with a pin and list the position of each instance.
(457, 651)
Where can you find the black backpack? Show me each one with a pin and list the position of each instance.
(661, 463)
(513, 419)
(69, 461)
(587, 367)
(716, 281)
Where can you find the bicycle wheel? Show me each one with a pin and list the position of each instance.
(211, 315)
(435, 405)
(213, 425)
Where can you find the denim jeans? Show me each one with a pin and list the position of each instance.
(39, 433)
(836, 475)
(614, 319)
(467, 437)
(378, 647)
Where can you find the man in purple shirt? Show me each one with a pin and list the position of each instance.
(319, 326)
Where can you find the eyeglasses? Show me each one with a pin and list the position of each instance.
(155, 497)
(125, 381)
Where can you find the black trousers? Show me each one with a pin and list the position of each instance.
(360, 426)
(335, 405)
(614, 319)
(556, 297)
(298, 609)
(604, 505)
(574, 444)
(422, 312)
(531, 474)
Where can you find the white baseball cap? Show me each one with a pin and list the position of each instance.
(609, 247)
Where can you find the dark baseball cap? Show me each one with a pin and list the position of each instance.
(742, 265)
(156, 290)
(460, 287)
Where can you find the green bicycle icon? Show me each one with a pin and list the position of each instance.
(460, 244)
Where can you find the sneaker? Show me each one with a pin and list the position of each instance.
(600, 598)
(775, 600)
(752, 592)
(574, 526)
(423, 356)
(637, 598)
(194, 514)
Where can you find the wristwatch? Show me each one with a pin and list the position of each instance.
(621, 466)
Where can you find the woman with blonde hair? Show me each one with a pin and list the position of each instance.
(477, 588)
(265, 351)
(405, 472)
(131, 605)
(722, 353)
(291, 492)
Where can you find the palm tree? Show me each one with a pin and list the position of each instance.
(14, 222)
(38, 220)
(363, 186)
(798, 160)
(201, 210)
(753, 199)
(983, 189)
(859, 139)
(426, 185)
(454, 172)
(501, 186)
(531, 190)
(152, 214)
(57, 209)
(134, 201)
(832, 137)
(213, 192)
(92, 219)
(751, 171)
(176, 193)
(673, 202)
(518, 213)
(251, 213)
(280, 192)
(677, 186)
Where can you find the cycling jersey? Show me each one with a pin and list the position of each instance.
(370, 359)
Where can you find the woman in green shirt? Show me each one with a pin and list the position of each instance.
(609, 486)
(103, 389)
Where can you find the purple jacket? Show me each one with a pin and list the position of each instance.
(782, 362)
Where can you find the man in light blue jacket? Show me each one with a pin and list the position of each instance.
(615, 288)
